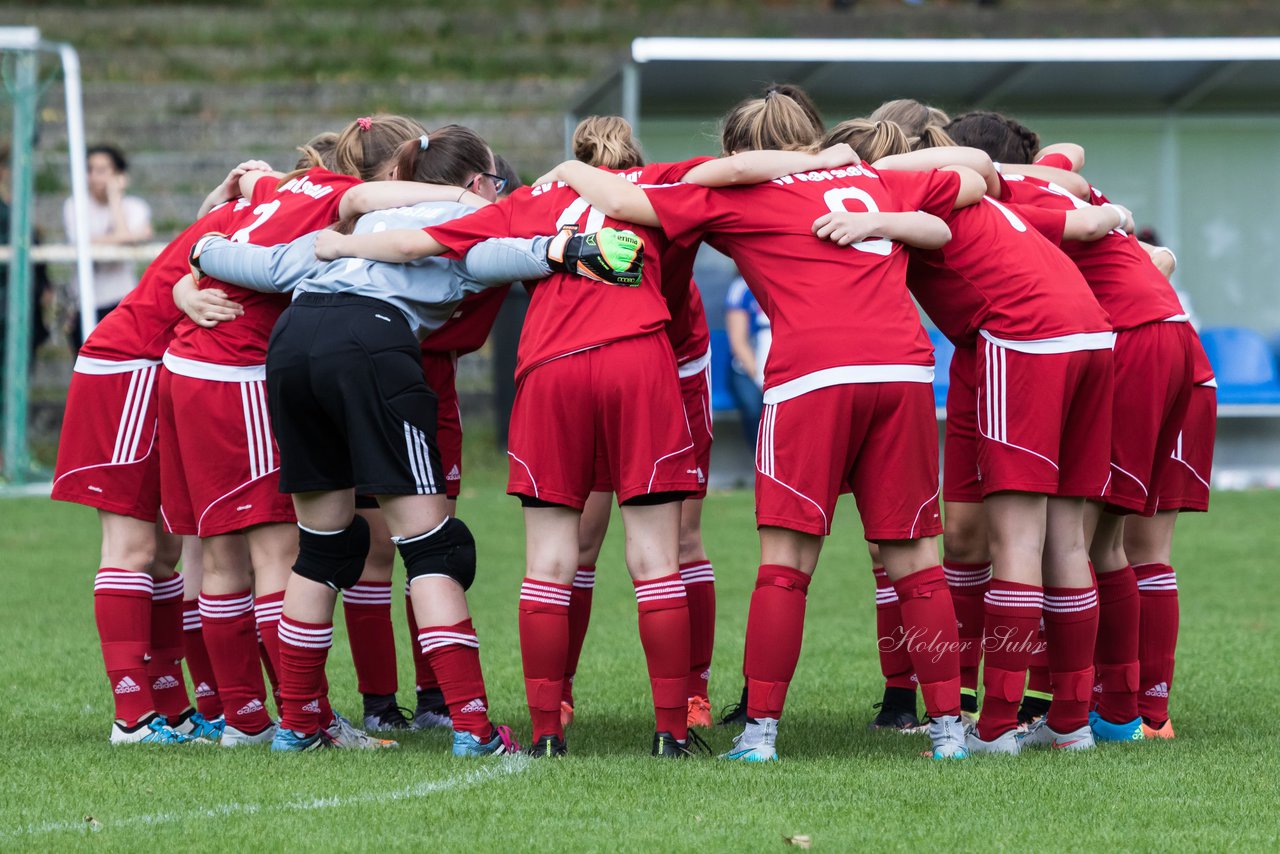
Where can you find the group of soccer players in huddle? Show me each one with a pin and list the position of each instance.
(283, 467)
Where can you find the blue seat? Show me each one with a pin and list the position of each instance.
(1243, 364)
(943, 350)
(721, 358)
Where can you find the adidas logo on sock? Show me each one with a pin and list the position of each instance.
(705, 675)
(203, 690)
(453, 474)
(313, 706)
(250, 707)
(1097, 688)
(1160, 689)
(165, 683)
(476, 705)
(127, 686)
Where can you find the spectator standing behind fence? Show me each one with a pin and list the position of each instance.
(749, 335)
(114, 219)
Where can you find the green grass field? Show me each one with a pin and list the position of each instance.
(1216, 786)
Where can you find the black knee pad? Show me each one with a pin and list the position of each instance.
(449, 550)
(333, 559)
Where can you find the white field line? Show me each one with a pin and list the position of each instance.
(503, 767)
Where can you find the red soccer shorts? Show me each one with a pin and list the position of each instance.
(220, 471)
(876, 440)
(611, 414)
(696, 391)
(1044, 420)
(107, 455)
(960, 483)
(1182, 483)
(441, 371)
(1154, 376)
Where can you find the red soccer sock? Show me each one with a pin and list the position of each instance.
(1116, 656)
(1011, 620)
(775, 630)
(895, 661)
(968, 583)
(1039, 684)
(424, 678)
(367, 609)
(700, 588)
(232, 643)
(304, 649)
(267, 609)
(168, 686)
(928, 614)
(122, 610)
(544, 648)
(664, 634)
(584, 583)
(1157, 639)
(455, 658)
(208, 702)
(1070, 627)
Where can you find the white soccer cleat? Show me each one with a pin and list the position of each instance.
(1041, 735)
(948, 736)
(343, 734)
(756, 743)
(1006, 744)
(233, 737)
(153, 729)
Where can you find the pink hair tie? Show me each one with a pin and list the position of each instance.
(364, 123)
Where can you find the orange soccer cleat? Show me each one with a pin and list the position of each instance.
(1165, 731)
(700, 712)
(566, 714)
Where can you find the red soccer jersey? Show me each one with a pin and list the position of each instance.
(276, 215)
(1117, 268)
(567, 313)
(833, 309)
(1000, 275)
(141, 327)
(687, 329)
(468, 327)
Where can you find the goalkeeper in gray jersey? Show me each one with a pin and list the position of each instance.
(352, 413)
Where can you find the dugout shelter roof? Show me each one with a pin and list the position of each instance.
(673, 77)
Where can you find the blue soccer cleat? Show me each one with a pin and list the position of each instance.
(1104, 730)
(154, 729)
(500, 743)
(756, 743)
(195, 725)
(947, 733)
(290, 741)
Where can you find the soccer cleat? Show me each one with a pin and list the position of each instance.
(756, 743)
(431, 711)
(153, 729)
(547, 747)
(501, 743)
(1164, 731)
(969, 720)
(948, 736)
(1104, 730)
(233, 737)
(343, 734)
(1041, 735)
(700, 712)
(737, 713)
(566, 714)
(387, 720)
(290, 741)
(195, 725)
(898, 720)
(1006, 743)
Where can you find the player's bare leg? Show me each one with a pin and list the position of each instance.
(1148, 543)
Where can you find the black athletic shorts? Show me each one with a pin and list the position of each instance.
(348, 400)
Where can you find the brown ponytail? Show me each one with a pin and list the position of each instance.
(933, 137)
(776, 121)
(317, 151)
(365, 147)
(1004, 139)
(453, 155)
(606, 141)
(869, 139)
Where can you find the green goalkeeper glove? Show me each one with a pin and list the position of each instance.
(608, 255)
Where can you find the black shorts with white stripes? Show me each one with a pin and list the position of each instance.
(348, 400)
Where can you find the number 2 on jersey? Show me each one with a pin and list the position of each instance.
(263, 213)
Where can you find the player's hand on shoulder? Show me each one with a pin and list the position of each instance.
(206, 307)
